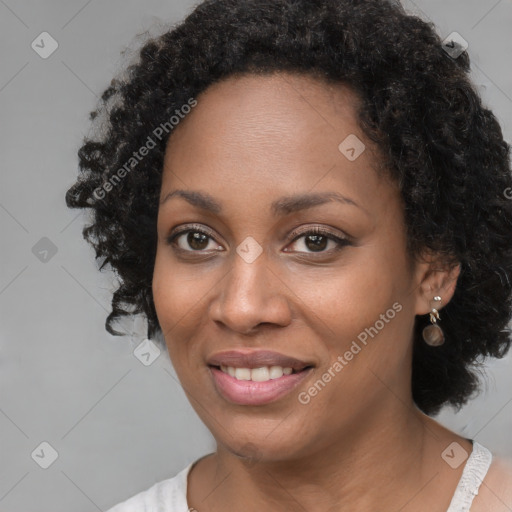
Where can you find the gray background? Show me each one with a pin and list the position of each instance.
(117, 425)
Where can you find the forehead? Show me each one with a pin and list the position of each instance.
(279, 132)
(291, 91)
(290, 105)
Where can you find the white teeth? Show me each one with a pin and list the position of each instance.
(261, 374)
(242, 373)
(276, 372)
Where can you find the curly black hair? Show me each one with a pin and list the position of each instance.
(443, 147)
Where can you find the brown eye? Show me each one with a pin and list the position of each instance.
(192, 240)
(316, 240)
(198, 241)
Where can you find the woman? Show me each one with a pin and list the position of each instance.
(308, 202)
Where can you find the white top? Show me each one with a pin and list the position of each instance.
(171, 495)
(474, 472)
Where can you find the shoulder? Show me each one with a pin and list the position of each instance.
(145, 500)
(159, 497)
(495, 493)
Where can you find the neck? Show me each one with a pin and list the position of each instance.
(375, 463)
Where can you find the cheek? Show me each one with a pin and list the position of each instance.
(176, 300)
(176, 291)
(347, 299)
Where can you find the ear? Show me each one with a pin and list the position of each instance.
(434, 278)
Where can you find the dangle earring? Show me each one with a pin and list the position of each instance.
(433, 334)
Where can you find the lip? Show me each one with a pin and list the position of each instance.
(248, 392)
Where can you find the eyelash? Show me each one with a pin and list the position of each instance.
(341, 242)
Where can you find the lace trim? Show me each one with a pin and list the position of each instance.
(473, 474)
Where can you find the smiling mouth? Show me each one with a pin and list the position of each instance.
(259, 385)
(260, 374)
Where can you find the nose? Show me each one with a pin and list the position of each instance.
(251, 294)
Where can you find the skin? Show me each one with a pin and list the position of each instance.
(360, 444)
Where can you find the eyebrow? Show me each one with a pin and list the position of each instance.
(282, 206)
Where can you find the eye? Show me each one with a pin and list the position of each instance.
(197, 239)
(317, 239)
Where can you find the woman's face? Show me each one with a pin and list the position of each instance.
(254, 158)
